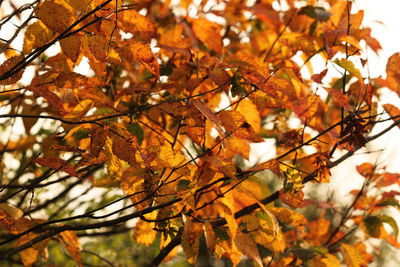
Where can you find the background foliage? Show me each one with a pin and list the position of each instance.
(148, 150)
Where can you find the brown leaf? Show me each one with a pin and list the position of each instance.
(7, 66)
(51, 97)
(209, 114)
(124, 149)
(58, 165)
(97, 141)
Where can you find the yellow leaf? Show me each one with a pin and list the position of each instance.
(55, 16)
(169, 157)
(115, 166)
(352, 257)
(327, 260)
(209, 33)
(144, 232)
(289, 216)
(30, 255)
(349, 66)
(234, 145)
(221, 165)
(8, 216)
(36, 35)
(227, 213)
(191, 239)
(250, 113)
(80, 109)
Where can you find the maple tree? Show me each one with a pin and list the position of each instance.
(163, 119)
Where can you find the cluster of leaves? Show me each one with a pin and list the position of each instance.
(166, 113)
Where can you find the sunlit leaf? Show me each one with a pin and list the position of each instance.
(54, 15)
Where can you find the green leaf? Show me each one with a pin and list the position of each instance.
(136, 130)
(373, 226)
(166, 71)
(318, 13)
(388, 202)
(81, 133)
(183, 185)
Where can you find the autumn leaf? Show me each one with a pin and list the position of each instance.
(71, 47)
(70, 241)
(36, 35)
(210, 115)
(54, 15)
(8, 66)
(349, 66)
(393, 111)
(57, 165)
(51, 97)
(144, 55)
(352, 256)
(208, 33)
(137, 24)
(248, 247)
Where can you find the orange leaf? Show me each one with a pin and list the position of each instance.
(70, 241)
(209, 33)
(210, 235)
(393, 111)
(291, 198)
(250, 113)
(366, 169)
(137, 24)
(235, 124)
(98, 46)
(318, 77)
(248, 247)
(9, 215)
(71, 47)
(55, 16)
(58, 165)
(145, 56)
(393, 73)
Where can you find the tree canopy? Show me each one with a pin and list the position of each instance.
(140, 117)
